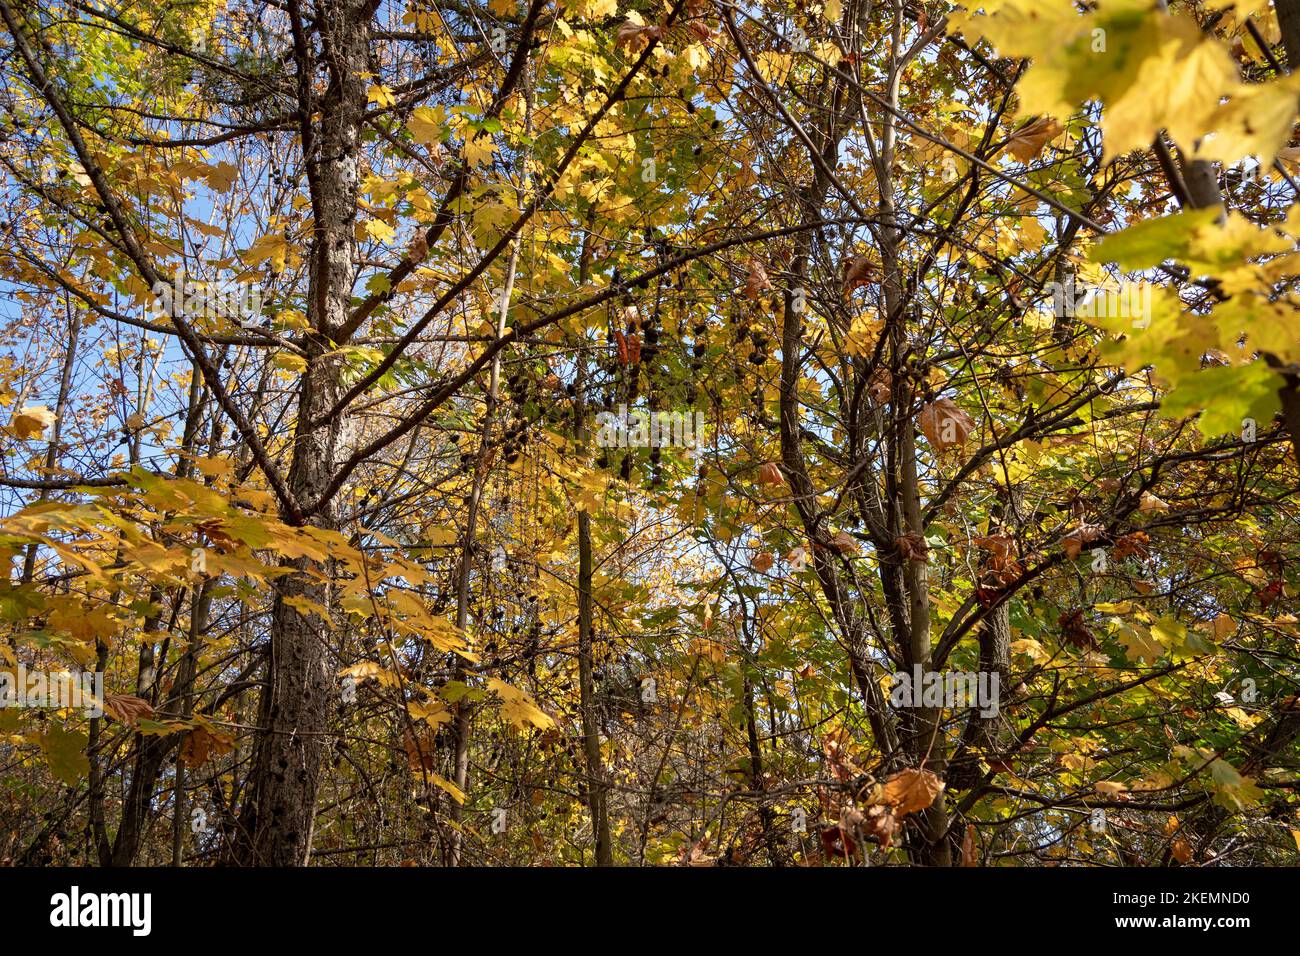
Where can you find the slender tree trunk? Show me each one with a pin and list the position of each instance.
(280, 809)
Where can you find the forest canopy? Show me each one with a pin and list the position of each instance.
(628, 432)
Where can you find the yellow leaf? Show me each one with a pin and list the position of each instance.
(380, 230)
(428, 124)
(381, 95)
(31, 421)
(1256, 122)
(518, 708)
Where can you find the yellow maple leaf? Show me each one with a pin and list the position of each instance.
(30, 422)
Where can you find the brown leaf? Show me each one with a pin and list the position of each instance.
(880, 387)
(999, 545)
(944, 424)
(836, 842)
(844, 543)
(201, 745)
(910, 790)
(1084, 534)
(1150, 502)
(857, 272)
(880, 824)
(912, 547)
(757, 281)
(1028, 141)
(635, 35)
(1075, 631)
(1134, 543)
(419, 750)
(762, 562)
(770, 474)
(970, 854)
(126, 708)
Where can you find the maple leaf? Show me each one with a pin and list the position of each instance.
(202, 744)
(857, 272)
(1030, 140)
(757, 282)
(944, 424)
(911, 790)
(30, 422)
(127, 708)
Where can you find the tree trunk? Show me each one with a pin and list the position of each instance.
(276, 825)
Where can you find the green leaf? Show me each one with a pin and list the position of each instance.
(1151, 242)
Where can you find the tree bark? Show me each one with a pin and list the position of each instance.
(279, 813)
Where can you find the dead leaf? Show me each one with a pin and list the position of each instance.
(635, 35)
(844, 543)
(880, 387)
(1150, 502)
(1030, 140)
(1084, 534)
(126, 708)
(910, 790)
(944, 424)
(770, 474)
(1075, 631)
(757, 281)
(857, 272)
(30, 422)
(201, 745)
(912, 547)
(762, 562)
(970, 855)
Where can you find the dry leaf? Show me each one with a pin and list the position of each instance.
(910, 790)
(912, 547)
(1084, 534)
(127, 708)
(201, 745)
(31, 421)
(970, 855)
(1075, 631)
(635, 35)
(944, 424)
(762, 562)
(857, 272)
(770, 474)
(880, 387)
(1150, 502)
(844, 543)
(757, 281)
(1028, 141)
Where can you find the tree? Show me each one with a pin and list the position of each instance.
(615, 432)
